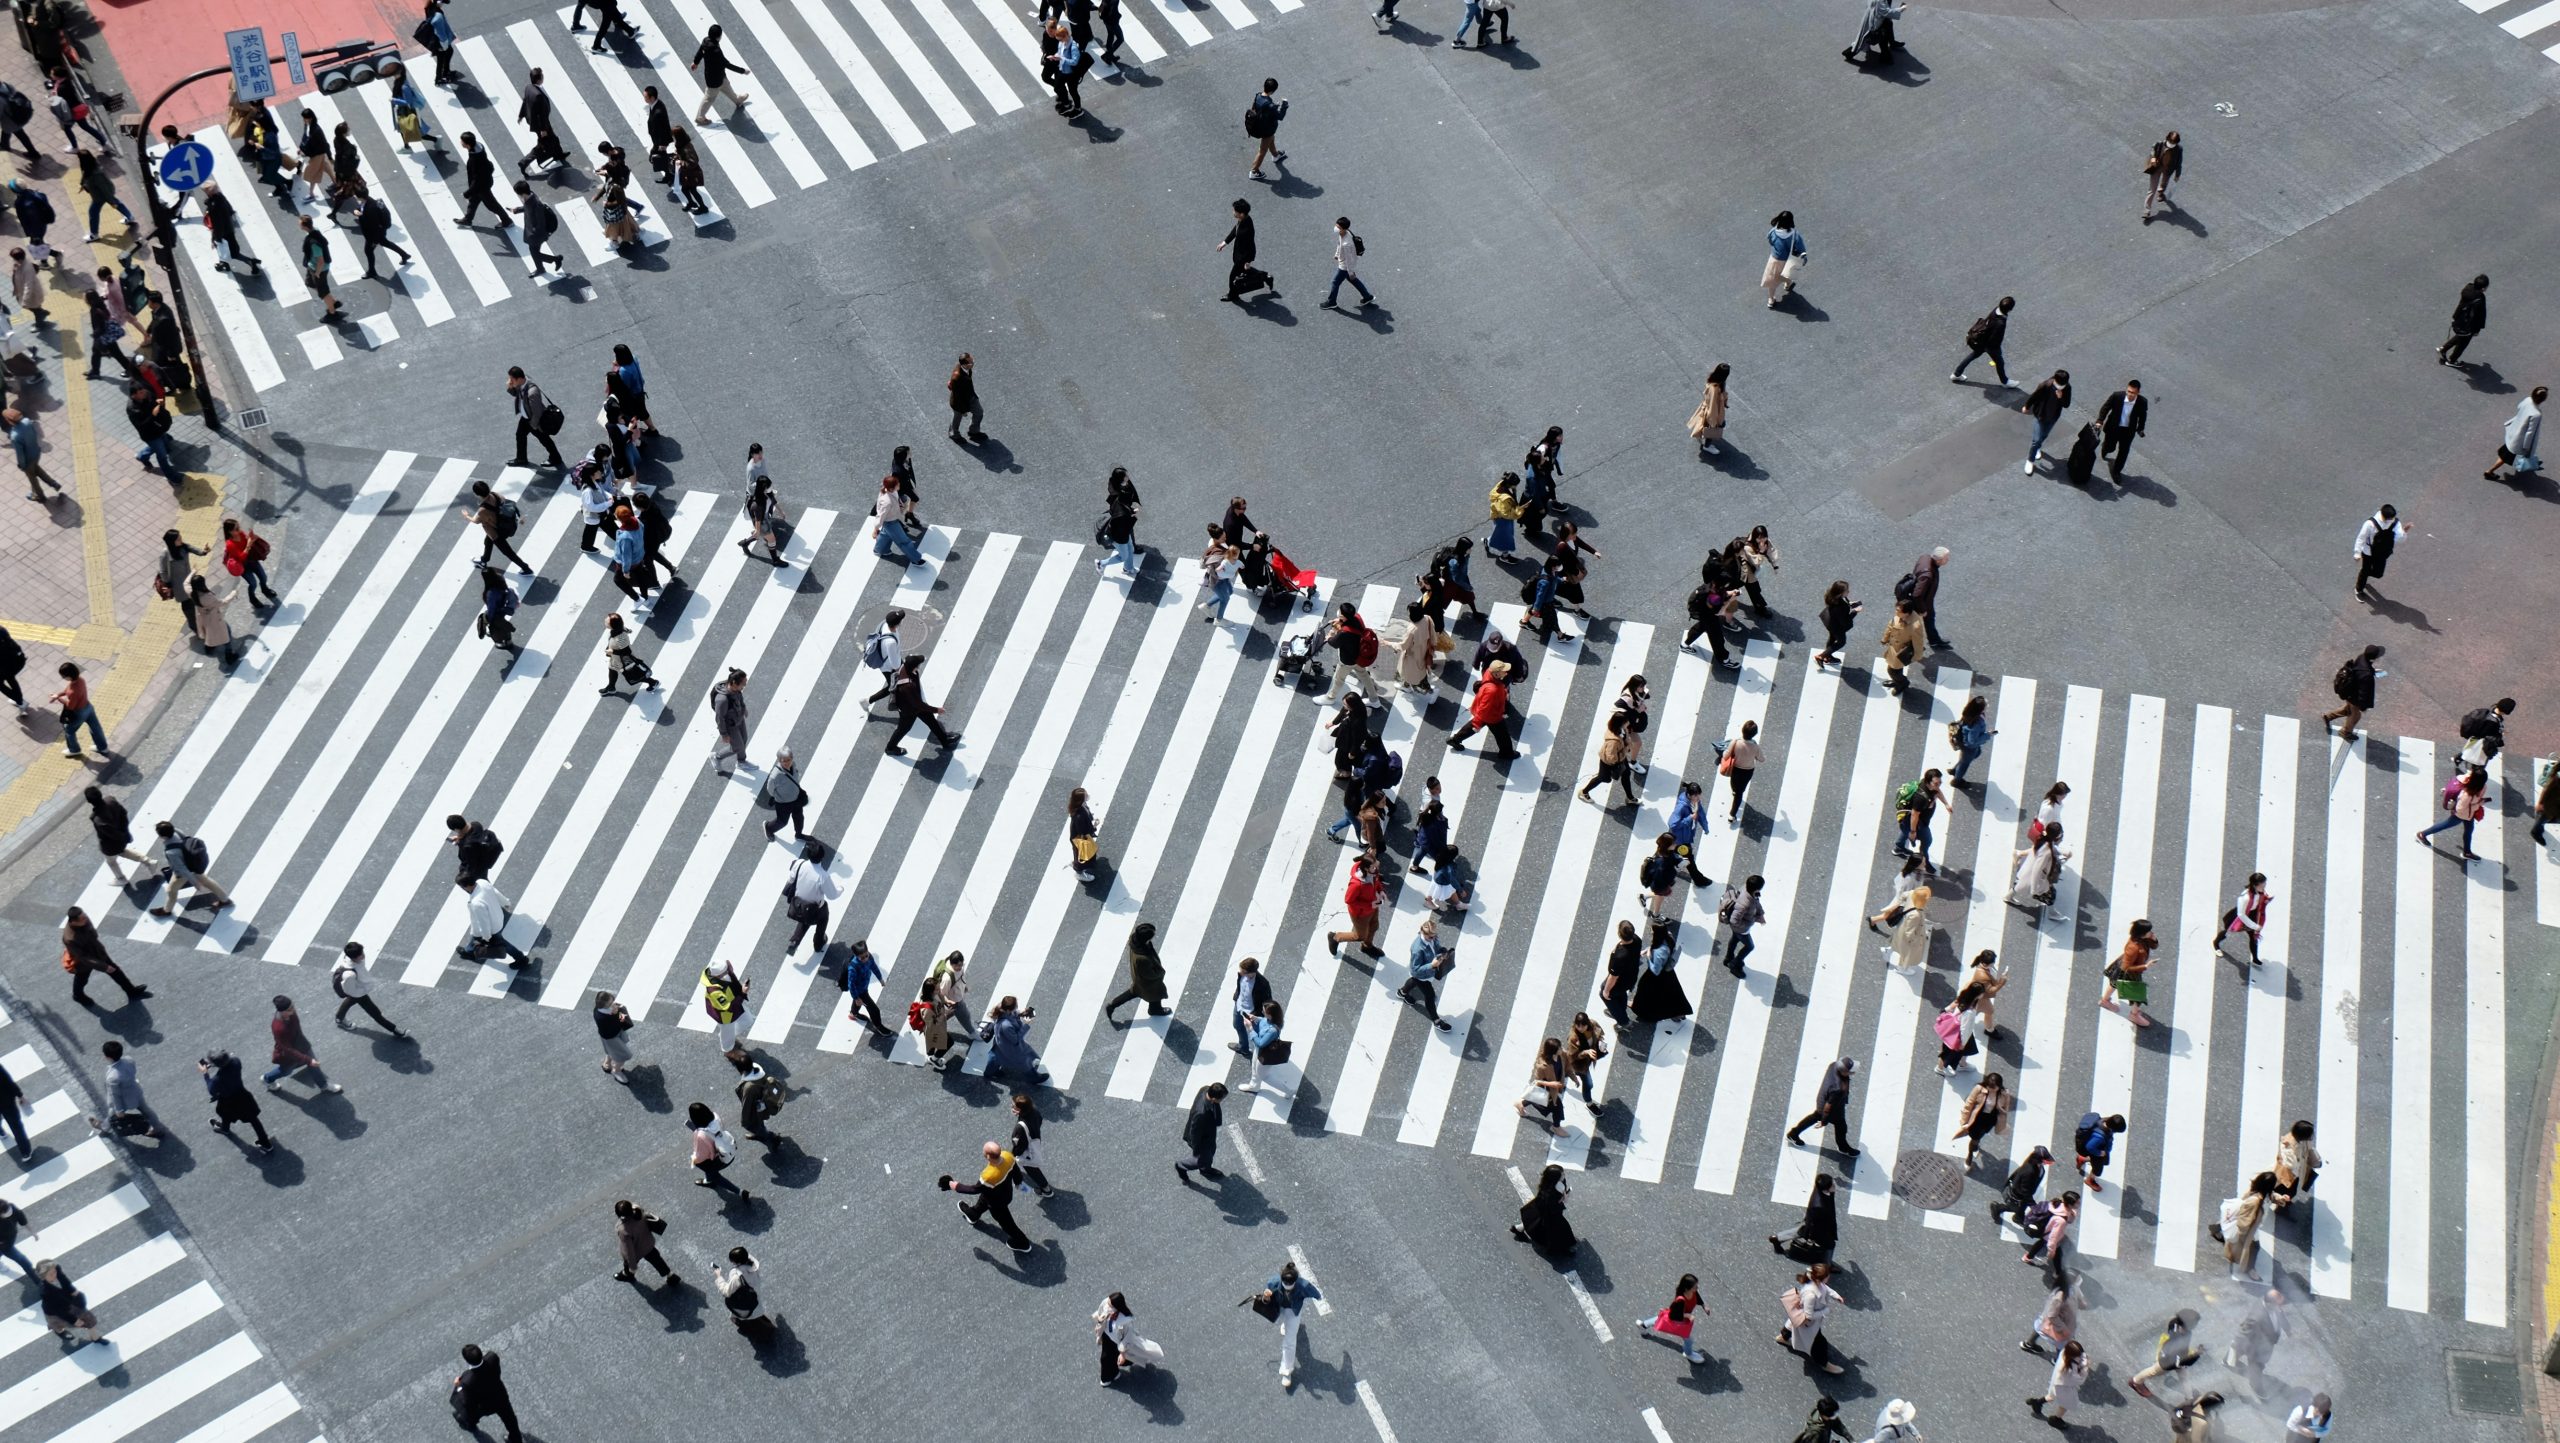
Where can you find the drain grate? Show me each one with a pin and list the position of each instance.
(253, 419)
(2486, 1385)
(1929, 1180)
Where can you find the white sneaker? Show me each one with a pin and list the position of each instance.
(2027, 467)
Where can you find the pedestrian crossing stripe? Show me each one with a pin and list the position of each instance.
(888, 59)
(174, 1358)
(2532, 21)
(631, 864)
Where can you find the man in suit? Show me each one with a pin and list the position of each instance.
(1240, 264)
(1200, 1134)
(662, 138)
(480, 1391)
(479, 182)
(2119, 421)
(1830, 1107)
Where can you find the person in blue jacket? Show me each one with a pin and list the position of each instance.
(1285, 1295)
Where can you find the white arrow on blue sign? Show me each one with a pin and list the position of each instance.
(188, 165)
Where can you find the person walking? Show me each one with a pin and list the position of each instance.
(1427, 961)
(1985, 338)
(149, 415)
(244, 555)
(480, 1390)
(1900, 646)
(541, 223)
(373, 223)
(1251, 994)
(2127, 988)
(99, 187)
(1282, 1299)
(1839, 612)
(2470, 318)
(2048, 1228)
(994, 1193)
(1542, 1222)
(2247, 915)
(907, 696)
(716, 66)
(2236, 1227)
(128, 1115)
(187, 863)
(480, 183)
(351, 977)
(1916, 805)
(1706, 423)
(2174, 1352)
(72, 702)
(1678, 1318)
(787, 799)
(26, 444)
(536, 419)
(2381, 533)
(2025, 1184)
(1808, 1308)
(2353, 686)
(807, 889)
(1919, 587)
(1083, 835)
(2062, 1387)
(485, 912)
(1986, 1111)
(1688, 828)
(621, 663)
(315, 254)
(1970, 733)
(1200, 1134)
(1146, 974)
(84, 953)
(292, 1049)
(2256, 1340)
(1818, 1231)
(713, 1148)
(64, 1308)
(213, 624)
(13, 1226)
(2058, 1319)
(1347, 250)
(1025, 1143)
(1360, 899)
(1830, 1107)
(1739, 912)
(729, 720)
(962, 388)
(233, 1103)
(2038, 869)
(2093, 1143)
(2522, 448)
(2465, 802)
(1786, 261)
(636, 1231)
(2297, 1164)
(1906, 947)
(113, 828)
(1489, 709)
(2121, 418)
(613, 1031)
(2044, 407)
(1242, 274)
(2309, 1420)
(1122, 1346)
(2166, 162)
(1262, 117)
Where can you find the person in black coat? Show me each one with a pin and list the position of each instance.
(480, 1390)
(479, 182)
(1542, 1225)
(233, 1103)
(2470, 318)
(373, 222)
(662, 137)
(1984, 337)
(2120, 420)
(2045, 404)
(1200, 1134)
(1241, 275)
(1813, 1238)
(1659, 995)
(2026, 1184)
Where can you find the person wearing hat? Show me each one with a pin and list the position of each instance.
(1896, 1422)
(1490, 710)
(1830, 1107)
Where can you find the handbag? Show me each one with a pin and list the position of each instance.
(1084, 849)
(1724, 765)
(1264, 1305)
(1792, 270)
(1950, 1030)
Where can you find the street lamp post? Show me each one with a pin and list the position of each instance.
(164, 235)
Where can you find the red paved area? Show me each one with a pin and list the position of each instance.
(156, 41)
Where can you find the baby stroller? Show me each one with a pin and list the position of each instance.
(1270, 572)
(1298, 666)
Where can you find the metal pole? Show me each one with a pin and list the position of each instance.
(163, 234)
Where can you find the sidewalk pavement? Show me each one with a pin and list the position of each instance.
(77, 583)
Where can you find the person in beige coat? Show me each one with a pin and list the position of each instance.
(1417, 649)
(1706, 424)
(26, 283)
(1900, 646)
(2237, 1229)
(2297, 1164)
(1986, 1111)
(213, 625)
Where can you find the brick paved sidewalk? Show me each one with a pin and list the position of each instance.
(77, 583)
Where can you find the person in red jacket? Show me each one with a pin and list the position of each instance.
(244, 554)
(293, 1049)
(1490, 711)
(1360, 899)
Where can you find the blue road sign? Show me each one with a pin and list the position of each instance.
(187, 166)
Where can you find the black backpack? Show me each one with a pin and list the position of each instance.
(1908, 588)
(1978, 332)
(1359, 247)
(1260, 120)
(2344, 683)
(511, 516)
(15, 105)
(197, 856)
(2480, 722)
(425, 34)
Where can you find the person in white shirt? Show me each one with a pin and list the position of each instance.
(882, 651)
(810, 889)
(2381, 531)
(485, 911)
(595, 494)
(1346, 265)
(351, 977)
(2308, 1421)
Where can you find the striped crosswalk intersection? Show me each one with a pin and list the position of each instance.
(835, 86)
(631, 863)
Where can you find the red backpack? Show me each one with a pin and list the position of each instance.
(1367, 655)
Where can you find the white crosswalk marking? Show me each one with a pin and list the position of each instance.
(99, 1284)
(2413, 941)
(1666, 1061)
(2128, 898)
(1014, 33)
(2484, 1071)
(453, 121)
(973, 62)
(248, 1420)
(552, 751)
(1533, 997)
(427, 182)
(838, 44)
(1837, 962)
(622, 94)
(791, 66)
(1179, 940)
(2333, 1207)
(2539, 18)
(1177, 14)
(682, 771)
(1551, 687)
(1027, 656)
(1036, 929)
(684, 97)
(415, 281)
(919, 71)
(56, 1381)
(325, 767)
(230, 307)
(768, 122)
(169, 1390)
(562, 861)
(576, 216)
(1234, 11)
(1666, 758)
(2194, 971)
(1746, 1029)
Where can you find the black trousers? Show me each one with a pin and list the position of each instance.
(654, 1259)
(907, 722)
(1999, 366)
(80, 979)
(472, 200)
(861, 1005)
(526, 430)
(1421, 994)
(1110, 34)
(2453, 347)
(799, 930)
(370, 1010)
(444, 65)
(1501, 731)
(2116, 445)
(502, 1407)
(999, 1207)
(9, 689)
(1713, 630)
(1834, 1118)
(795, 814)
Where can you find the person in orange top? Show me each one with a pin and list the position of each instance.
(2125, 983)
(1360, 898)
(1490, 711)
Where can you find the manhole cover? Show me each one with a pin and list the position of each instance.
(2486, 1384)
(1930, 1180)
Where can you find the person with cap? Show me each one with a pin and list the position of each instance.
(1896, 1422)
(1830, 1107)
